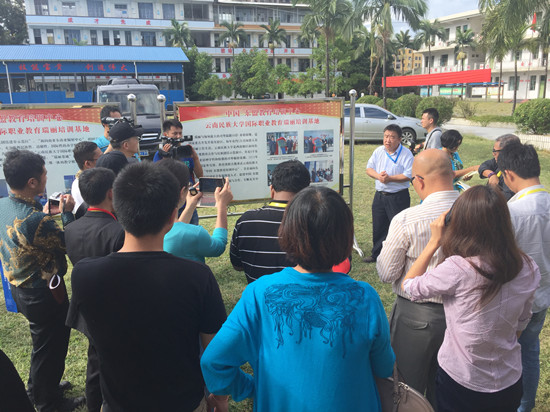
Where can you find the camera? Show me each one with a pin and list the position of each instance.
(111, 121)
(177, 151)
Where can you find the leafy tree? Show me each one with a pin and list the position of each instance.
(274, 35)
(258, 83)
(544, 41)
(464, 39)
(178, 35)
(215, 88)
(514, 12)
(331, 18)
(196, 72)
(13, 26)
(310, 82)
(380, 12)
(234, 33)
(428, 30)
(240, 72)
(493, 40)
(403, 41)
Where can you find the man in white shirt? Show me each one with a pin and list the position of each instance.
(417, 328)
(429, 120)
(86, 155)
(530, 214)
(390, 165)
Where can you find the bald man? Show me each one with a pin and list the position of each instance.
(417, 328)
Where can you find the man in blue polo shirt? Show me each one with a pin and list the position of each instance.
(390, 166)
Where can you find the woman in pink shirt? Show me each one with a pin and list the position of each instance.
(487, 285)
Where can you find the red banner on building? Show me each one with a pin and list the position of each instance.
(467, 76)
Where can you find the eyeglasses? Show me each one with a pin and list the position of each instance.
(415, 176)
(496, 151)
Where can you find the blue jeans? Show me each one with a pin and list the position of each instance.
(530, 349)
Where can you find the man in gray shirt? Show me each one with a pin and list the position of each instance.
(429, 120)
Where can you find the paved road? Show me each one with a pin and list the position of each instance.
(489, 133)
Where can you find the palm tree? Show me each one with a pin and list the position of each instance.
(463, 40)
(233, 34)
(544, 41)
(494, 42)
(428, 31)
(274, 36)
(310, 35)
(380, 12)
(178, 35)
(514, 12)
(331, 18)
(403, 41)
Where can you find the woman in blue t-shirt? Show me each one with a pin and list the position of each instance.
(451, 141)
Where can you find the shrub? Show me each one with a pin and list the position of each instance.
(466, 109)
(390, 104)
(533, 116)
(369, 99)
(406, 105)
(443, 105)
(485, 119)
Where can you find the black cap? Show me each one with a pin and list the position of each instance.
(122, 131)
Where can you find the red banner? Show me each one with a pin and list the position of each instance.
(467, 76)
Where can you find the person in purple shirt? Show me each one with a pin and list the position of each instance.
(487, 284)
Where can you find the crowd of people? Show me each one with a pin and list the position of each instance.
(470, 272)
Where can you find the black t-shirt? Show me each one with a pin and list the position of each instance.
(144, 312)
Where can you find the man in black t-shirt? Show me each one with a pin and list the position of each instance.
(146, 309)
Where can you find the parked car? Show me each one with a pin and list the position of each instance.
(370, 121)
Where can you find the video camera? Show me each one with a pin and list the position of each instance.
(111, 121)
(177, 151)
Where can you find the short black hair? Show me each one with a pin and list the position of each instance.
(167, 124)
(519, 158)
(317, 229)
(177, 168)
(106, 112)
(114, 160)
(115, 144)
(20, 166)
(84, 151)
(144, 198)
(290, 176)
(451, 139)
(432, 113)
(394, 128)
(95, 183)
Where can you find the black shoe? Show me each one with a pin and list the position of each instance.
(63, 387)
(369, 259)
(70, 404)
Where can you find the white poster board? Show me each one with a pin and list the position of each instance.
(51, 130)
(245, 140)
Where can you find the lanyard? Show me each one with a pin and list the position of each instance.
(530, 192)
(277, 204)
(97, 209)
(398, 153)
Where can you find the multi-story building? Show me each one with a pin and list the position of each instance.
(134, 23)
(407, 60)
(444, 59)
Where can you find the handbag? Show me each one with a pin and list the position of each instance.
(396, 396)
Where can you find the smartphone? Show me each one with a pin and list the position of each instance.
(448, 217)
(209, 184)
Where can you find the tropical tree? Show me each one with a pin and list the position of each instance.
(233, 34)
(494, 42)
(427, 32)
(179, 35)
(274, 35)
(330, 18)
(260, 72)
(403, 41)
(463, 40)
(380, 12)
(13, 27)
(197, 71)
(215, 88)
(544, 41)
(514, 12)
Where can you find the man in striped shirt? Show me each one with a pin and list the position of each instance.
(417, 328)
(255, 242)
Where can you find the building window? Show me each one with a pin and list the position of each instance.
(288, 41)
(288, 63)
(68, 8)
(37, 36)
(106, 40)
(72, 36)
(145, 10)
(93, 37)
(458, 28)
(116, 38)
(168, 11)
(128, 38)
(536, 54)
(218, 63)
(465, 27)
(148, 38)
(443, 60)
(49, 36)
(532, 82)
(513, 83)
(41, 8)
(95, 8)
(198, 12)
(227, 64)
(121, 10)
(518, 55)
(216, 40)
(447, 32)
(304, 44)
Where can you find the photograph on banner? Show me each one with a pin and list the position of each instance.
(51, 130)
(317, 141)
(282, 143)
(245, 140)
(321, 171)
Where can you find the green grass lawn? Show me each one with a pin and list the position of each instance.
(15, 337)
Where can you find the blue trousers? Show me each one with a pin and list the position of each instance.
(530, 350)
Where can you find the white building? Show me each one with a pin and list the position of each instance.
(530, 65)
(133, 23)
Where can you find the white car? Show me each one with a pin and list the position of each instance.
(370, 121)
